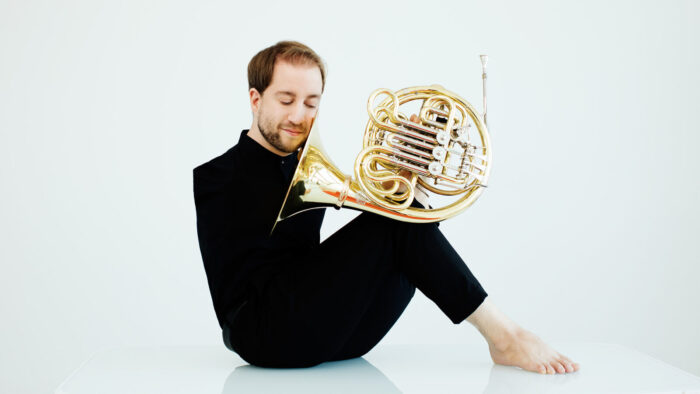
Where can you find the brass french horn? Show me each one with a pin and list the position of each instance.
(446, 152)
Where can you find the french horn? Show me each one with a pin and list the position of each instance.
(445, 152)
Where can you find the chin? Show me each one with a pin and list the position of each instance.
(296, 144)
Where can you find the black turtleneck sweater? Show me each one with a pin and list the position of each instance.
(238, 196)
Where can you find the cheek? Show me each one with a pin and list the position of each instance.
(270, 115)
(311, 113)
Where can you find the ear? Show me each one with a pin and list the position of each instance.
(255, 98)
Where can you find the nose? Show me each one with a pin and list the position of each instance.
(297, 113)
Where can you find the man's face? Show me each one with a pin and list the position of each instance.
(289, 104)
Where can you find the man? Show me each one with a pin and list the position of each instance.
(287, 300)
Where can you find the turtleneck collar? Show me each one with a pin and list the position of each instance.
(255, 153)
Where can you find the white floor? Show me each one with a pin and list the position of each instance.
(605, 368)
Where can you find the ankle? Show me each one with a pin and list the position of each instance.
(498, 330)
(504, 338)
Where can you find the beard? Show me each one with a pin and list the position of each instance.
(273, 134)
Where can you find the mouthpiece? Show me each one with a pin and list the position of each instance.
(484, 60)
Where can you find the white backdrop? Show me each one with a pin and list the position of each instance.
(588, 232)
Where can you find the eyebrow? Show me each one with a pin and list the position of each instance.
(286, 93)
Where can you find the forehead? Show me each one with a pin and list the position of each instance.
(300, 79)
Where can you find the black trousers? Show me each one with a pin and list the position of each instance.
(339, 300)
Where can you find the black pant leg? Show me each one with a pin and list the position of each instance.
(307, 313)
(391, 300)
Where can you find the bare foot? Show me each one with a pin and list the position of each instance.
(509, 344)
(525, 350)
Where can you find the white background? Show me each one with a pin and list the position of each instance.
(588, 231)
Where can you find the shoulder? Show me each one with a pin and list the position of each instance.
(218, 171)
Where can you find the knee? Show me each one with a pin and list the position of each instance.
(415, 234)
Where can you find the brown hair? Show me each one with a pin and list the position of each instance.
(262, 64)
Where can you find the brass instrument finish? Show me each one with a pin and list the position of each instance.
(447, 151)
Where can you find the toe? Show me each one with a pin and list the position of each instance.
(558, 367)
(568, 364)
(550, 370)
(535, 367)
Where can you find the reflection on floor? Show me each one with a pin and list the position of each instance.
(350, 376)
(387, 369)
